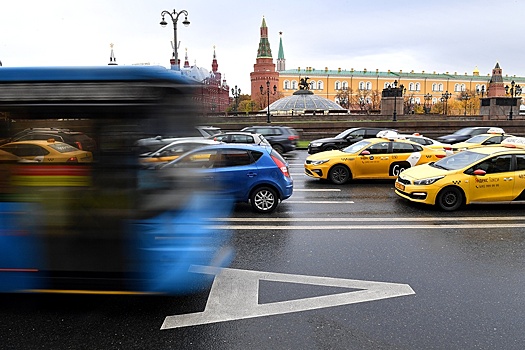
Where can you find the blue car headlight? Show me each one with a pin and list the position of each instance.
(428, 181)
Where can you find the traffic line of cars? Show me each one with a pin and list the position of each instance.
(488, 167)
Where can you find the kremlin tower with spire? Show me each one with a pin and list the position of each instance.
(264, 70)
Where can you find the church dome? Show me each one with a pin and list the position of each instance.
(304, 100)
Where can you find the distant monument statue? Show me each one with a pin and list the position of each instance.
(303, 84)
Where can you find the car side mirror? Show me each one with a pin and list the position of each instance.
(479, 172)
(365, 153)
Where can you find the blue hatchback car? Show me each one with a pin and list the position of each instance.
(246, 173)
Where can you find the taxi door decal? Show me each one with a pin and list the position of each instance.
(414, 158)
(398, 167)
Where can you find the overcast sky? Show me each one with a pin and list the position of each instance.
(442, 36)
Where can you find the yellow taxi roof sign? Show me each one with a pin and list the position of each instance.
(495, 130)
(515, 142)
(387, 134)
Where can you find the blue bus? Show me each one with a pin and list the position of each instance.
(74, 217)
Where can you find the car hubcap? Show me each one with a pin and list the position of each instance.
(449, 199)
(264, 200)
(340, 175)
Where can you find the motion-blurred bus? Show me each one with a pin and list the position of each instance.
(91, 226)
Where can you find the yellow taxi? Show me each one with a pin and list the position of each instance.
(478, 175)
(47, 151)
(494, 136)
(384, 157)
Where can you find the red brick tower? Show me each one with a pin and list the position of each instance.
(496, 86)
(264, 70)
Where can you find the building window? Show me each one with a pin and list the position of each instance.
(434, 87)
(294, 85)
(411, 87)
(286, 84)
(457, 87)
(463, 87)
(320, 85)
(418, 87)
(440, 86)
(312, 85)
(387, 85)
(368, 85)
(344, 85)
(337, 85)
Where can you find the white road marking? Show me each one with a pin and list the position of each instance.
(405, 219)
(367, 227)
(320, 202)
(234, 295)
(317, 190)
(347, 223)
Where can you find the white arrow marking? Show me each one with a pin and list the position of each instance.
(234, 295)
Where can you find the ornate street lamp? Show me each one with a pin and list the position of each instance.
(466, 97)
(174, 18)
(513, 91)
(236, 92)
(444, 99)
(428, 98)
(481, 91)
(268, 93)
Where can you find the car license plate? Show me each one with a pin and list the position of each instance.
(400, 186)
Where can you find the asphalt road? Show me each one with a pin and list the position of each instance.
(336, 267)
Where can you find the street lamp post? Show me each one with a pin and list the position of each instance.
(236, 92)
(268, 93)
(444, 99)
(174, 18)
(427, 97)
(466, 97)
(513, 91)
(481, 91)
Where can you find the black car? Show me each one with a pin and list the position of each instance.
(344, 139)
(76, 139)
(282, 138)
(463, 134)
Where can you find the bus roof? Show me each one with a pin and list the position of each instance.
(89, 74)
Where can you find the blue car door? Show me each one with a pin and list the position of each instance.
(235, 173)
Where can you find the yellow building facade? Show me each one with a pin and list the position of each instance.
(363, 89)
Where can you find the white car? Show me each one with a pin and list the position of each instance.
(425, 141)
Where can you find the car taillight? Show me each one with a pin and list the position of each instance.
(72, 160)
(293, 137)
(441, 155)
(282, 166)
(79, 145)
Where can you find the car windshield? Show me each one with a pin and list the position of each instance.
(464, 131)
(63, 147)
(344, 134)
(459, 160)
(356, 147)
(477, 139)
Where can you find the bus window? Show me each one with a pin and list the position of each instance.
(93, 227)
